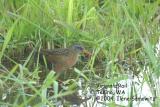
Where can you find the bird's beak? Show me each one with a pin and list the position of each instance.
(87, 53)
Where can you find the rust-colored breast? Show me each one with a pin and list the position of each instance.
(68, 62)
(72, 59)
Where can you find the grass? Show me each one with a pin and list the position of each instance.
(120, 34)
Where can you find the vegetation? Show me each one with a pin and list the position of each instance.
(121, 35)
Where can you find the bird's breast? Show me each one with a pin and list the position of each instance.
(72, 60)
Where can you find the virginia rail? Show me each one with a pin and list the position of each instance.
(60, 59)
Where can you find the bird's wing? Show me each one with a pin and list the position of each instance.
(57, 55)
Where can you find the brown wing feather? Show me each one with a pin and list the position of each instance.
(56, 55)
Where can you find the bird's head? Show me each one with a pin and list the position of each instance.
(78, 48)
(81, 49)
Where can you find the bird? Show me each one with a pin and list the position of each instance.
(60, 59)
